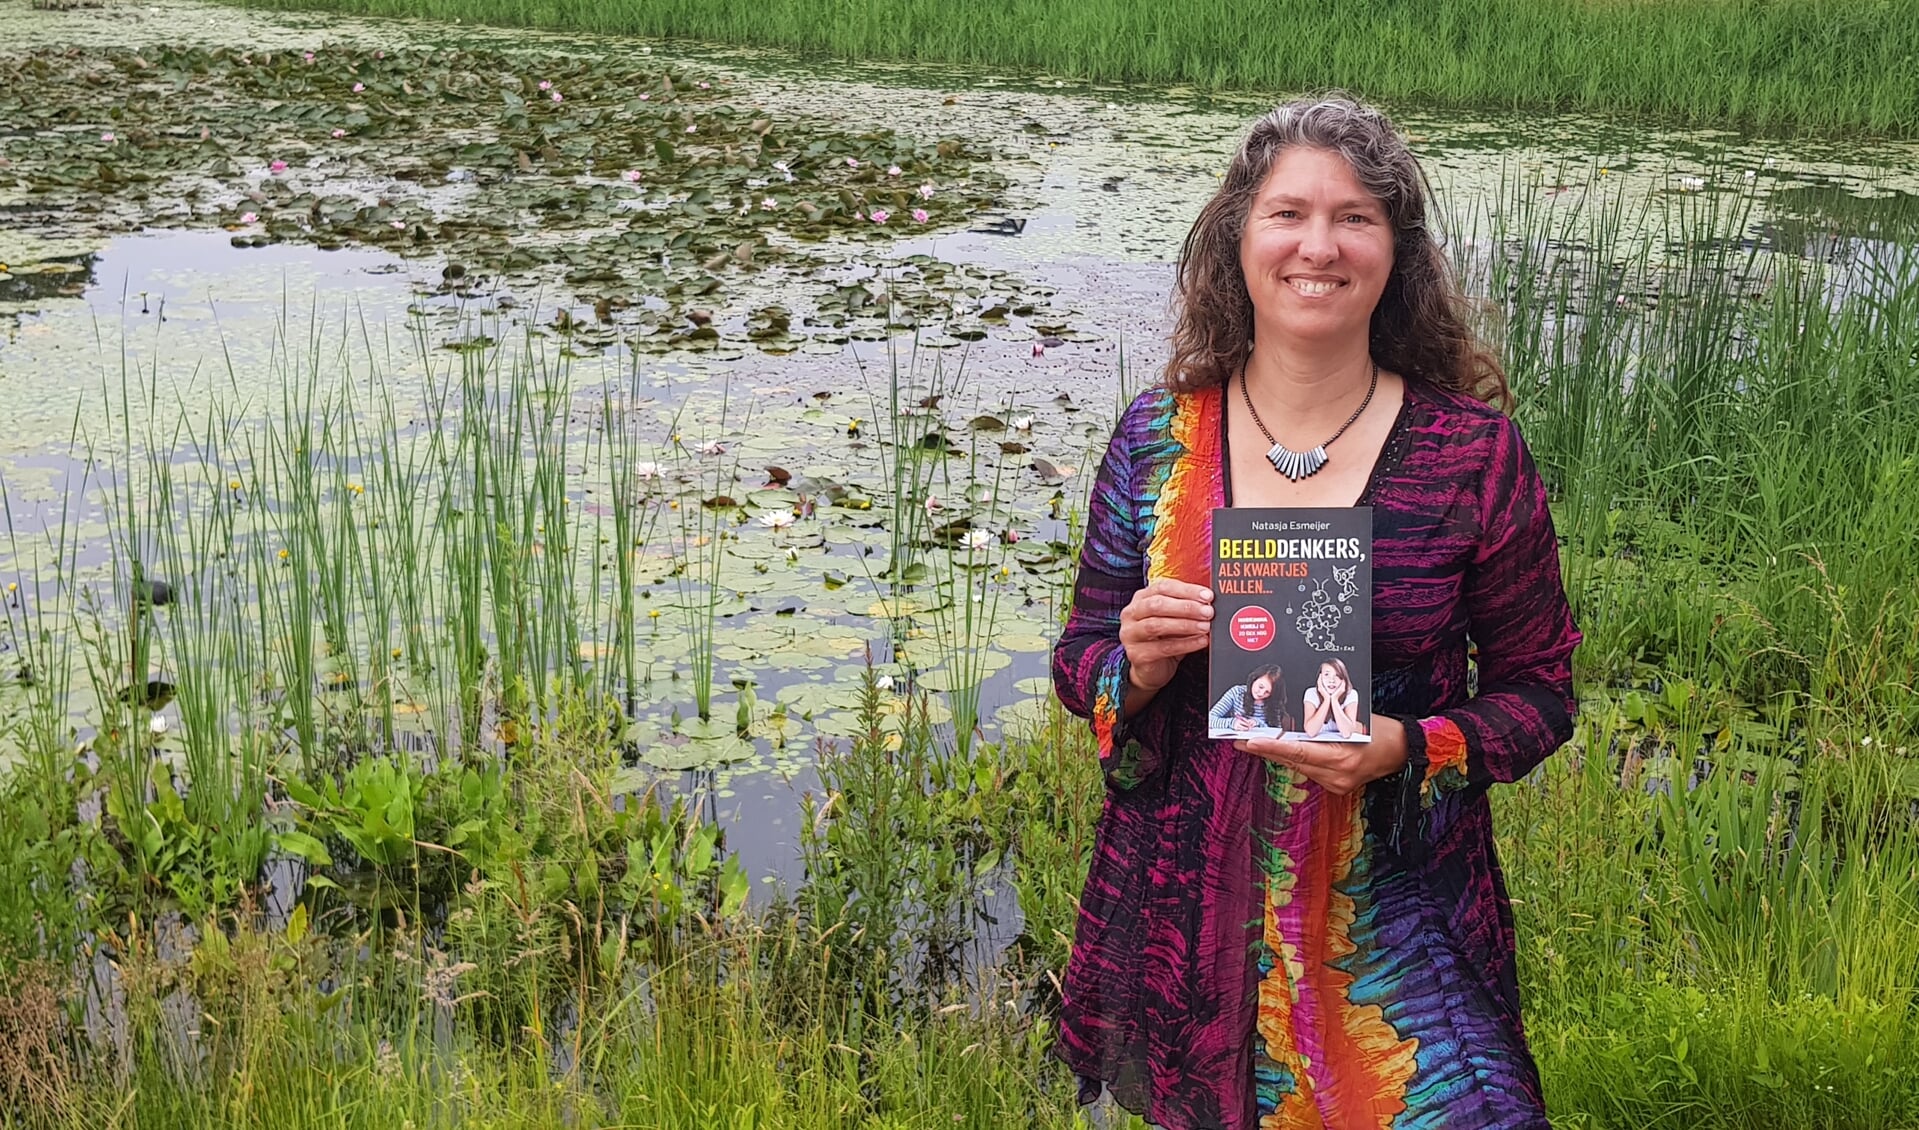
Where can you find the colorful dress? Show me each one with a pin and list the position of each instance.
(1253, 951)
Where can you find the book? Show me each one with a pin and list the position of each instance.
(1292, 642)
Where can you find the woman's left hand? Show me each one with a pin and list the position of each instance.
(1339, 767)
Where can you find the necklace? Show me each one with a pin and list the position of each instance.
(1297, 465)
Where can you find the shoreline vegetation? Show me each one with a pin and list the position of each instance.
(293, 916)
(1770, 67)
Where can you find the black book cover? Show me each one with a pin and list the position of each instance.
(1292, 623)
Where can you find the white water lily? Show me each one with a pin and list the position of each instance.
(712, 447)
(157, 725)
(1023, 423)
(776, 519)
(647, 470)
(884, 682)
(978, 539)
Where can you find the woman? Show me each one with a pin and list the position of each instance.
(1331, 704)
(1284, 933)
(1256, 703)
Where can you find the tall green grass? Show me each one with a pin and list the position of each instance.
(1788, 65)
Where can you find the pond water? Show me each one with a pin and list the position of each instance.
(434, 193)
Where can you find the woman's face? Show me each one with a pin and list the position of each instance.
(1330, 684)
(1262, 688)
(1316, 250)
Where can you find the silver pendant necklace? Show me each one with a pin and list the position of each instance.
(1297, 465)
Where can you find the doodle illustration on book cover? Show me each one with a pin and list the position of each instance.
(1292, 630)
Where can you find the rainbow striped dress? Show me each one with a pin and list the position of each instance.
(1253, 951)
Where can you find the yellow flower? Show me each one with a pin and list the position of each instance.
(654, 613)
(356, 488)
(396, 653)
(233, 484)
(283, 555)
(13, 586)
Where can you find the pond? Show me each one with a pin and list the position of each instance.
(732, 377)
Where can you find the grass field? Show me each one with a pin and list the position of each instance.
(1782, 66)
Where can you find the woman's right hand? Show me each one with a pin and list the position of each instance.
(1163, 622)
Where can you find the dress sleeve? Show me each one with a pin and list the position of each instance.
(1523, 628)
(1089, 664)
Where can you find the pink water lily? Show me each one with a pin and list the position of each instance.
(308, 56)
(398, 225)
(769, 204)
(249, 218)
(339, 133)
(546, 84)
(706, 86)
(692, 129)
(359, 88)
(851, 163)
(892, 170)
(632, 176)
(557, 97)
(277, 166)
(926, 192)
(880, 216)
(919, 215)
(107, 137)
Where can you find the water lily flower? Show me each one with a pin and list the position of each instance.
(338, 133)
(781, 166)
(646, 470)
(768, 204)
(712, 447)
(1023, 423)
(632, 176)
(933, 505)
(646, 97)
(879, 215)
(277, 166)
(692, 129)
(884, 682)
(978, 539)
(249, 217)
(233, 484)
(397, 225)
(1012, 536)
(557, 97)
(851, 163)
(926, 192)
(706, 86)
(546, 85)
(359, 88)
(308, 56)
(919, 215)
(107, 137)
(892, 170)
(776, 519)
(379, 54)
(1039, 350)
(157, 725)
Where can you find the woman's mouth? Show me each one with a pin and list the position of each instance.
(1314, 288)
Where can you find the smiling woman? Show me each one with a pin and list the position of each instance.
(1291, 934)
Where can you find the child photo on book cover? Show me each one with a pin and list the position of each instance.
(1254, 708)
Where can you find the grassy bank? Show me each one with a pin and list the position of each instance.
(1793, 65)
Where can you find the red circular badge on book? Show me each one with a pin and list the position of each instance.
(1252, 628)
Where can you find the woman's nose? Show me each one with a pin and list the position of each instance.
(1316, 244)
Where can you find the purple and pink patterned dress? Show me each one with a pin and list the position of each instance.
(1253, 951)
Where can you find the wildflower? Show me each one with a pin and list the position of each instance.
(978, 539)
(157, 725)
(647, 470)
(879, 215)
(107, 137)
(359, 88)
(884, 682)
(557, 97)
(919, 215)
(546, 85)
(632, 176)
(776, 519)
(768, 204)
(277, 167)
(851, 163)
(926, 192)
(338, 133)
(892, 170)
(248, 218)
(712, 447)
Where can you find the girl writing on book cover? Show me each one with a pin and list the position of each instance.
(1256, 704)
(1278, 934)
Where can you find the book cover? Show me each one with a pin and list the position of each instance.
(1292, 645)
